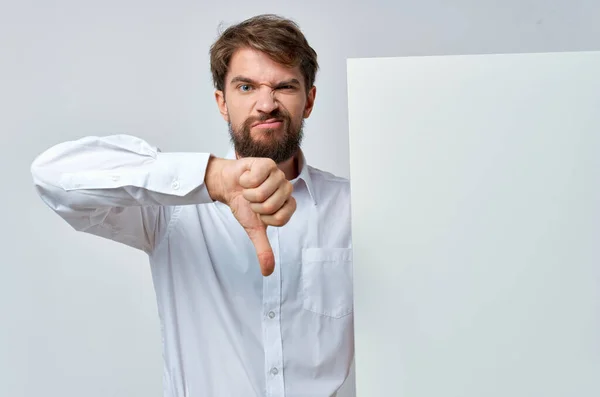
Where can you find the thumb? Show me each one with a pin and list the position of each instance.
(266, 258)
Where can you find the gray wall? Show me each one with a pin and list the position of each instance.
(78, 313)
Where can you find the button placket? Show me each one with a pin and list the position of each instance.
(272, 338)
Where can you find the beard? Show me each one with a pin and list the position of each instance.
(277, 144)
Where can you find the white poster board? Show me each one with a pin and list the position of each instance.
(476, 225)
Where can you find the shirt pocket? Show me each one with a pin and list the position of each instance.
(327, 280)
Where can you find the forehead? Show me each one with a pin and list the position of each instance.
(258, 66)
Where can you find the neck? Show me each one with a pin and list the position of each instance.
(290, 167)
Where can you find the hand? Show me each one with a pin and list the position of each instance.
(258, 194)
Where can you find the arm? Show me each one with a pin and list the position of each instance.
(119, 187)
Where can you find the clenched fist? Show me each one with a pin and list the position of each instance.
(258, 194)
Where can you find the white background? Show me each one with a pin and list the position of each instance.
(78, 313)
(476, 274)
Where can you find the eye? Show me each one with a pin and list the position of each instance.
(244, 87)
(287, 87)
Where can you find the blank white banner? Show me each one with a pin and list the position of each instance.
(476, 225)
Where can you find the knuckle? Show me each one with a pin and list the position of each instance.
(277, 222)
(260, 195)
(258, 179)
(269, 208)
(278, 175)
(280, 218)
(267, 163)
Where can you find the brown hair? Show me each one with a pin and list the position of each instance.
(278, 37)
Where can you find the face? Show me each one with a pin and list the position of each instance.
(265, 105)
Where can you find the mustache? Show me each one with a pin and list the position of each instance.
(276, 114)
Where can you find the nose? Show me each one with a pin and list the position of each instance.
(266, 101)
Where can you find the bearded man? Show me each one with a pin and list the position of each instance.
(250, 253)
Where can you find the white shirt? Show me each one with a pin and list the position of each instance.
(227, 331)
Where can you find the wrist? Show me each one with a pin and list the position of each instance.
(213, 178)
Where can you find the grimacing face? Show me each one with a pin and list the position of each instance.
(265, 105)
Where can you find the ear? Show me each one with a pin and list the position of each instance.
(310, 101)
(220, 98)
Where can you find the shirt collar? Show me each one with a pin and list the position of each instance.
(303, 175)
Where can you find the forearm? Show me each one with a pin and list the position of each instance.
(118, 170)
(119, 186)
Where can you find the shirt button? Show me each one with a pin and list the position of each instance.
(271, 314)
(274, 371)
(175, 185)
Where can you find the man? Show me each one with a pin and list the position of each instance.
(250, 254)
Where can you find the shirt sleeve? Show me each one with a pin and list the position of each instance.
(119, 186)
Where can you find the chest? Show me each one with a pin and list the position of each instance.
(311, 227)
(212, 260)
(214, 242)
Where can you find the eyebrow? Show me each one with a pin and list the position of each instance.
(242, 79)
